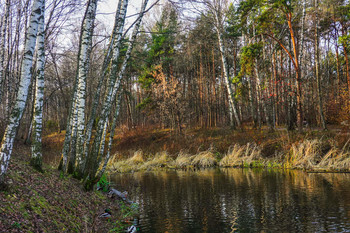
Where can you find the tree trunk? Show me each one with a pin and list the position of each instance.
(83, 68)
(116, 36)
(36, 159)
(347, 69)
(297, 70)
(317, 64)
(232, 106)
(92, 160)
(111, 136)
(2, 46)
(17, 112)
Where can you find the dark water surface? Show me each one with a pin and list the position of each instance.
(239, 200)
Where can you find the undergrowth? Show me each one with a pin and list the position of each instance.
(47, 202)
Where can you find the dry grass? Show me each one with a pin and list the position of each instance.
(183, 160)
(314, 154)
(238, 155)
(137, 157)
(204, 159)
(304, 155)
(131, 164)
(311, 155)
(161, 160)
(335, 160)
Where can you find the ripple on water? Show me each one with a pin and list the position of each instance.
(246, 200)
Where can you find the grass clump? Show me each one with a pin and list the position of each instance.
(183, 160)
(308, 154)
(238, 155)
(161, 160)
(137, 158)
(204, 159)
(318, 154)
(128, 165)
(304, 155)
(335, 160)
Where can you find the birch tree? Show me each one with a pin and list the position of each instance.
(114, 43)
(95, 155)
(36, 160)
(3, 28)
(68, 162)
(76, 119)
(217, 9)
(18, 109)
(113, 85)
(84, 59)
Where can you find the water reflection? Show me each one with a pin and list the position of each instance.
(240, 200)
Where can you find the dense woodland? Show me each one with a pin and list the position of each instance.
(176, 64)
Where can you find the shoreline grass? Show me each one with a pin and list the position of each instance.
(310, 155)
(312, 149)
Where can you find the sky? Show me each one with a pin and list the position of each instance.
(106, 10)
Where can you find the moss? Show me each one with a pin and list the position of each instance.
(36, 163)
(46, 202)
(70, 169)
(257, 164)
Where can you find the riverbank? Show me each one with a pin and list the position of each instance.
(145, 149)
(312, 150)
(310, 155)
(46, 202)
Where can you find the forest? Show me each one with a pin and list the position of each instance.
(99, 87)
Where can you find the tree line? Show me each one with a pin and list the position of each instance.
(201, 63)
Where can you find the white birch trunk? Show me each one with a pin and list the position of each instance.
(93, 166)
(17, 112)
(112, 82)
(36, 147)
(123, 67)
(2, 46)
(88, 132)
(118, 37)
(85, 51)
(232, 107)
(111, 136)
(70, 142)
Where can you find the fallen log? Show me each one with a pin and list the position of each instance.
(121, 195)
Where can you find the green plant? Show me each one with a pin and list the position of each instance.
(119, 226)
(103, 183)
(126, 213)
(218, 156)
(16, 225)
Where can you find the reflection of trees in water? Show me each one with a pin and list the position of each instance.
(221, 200)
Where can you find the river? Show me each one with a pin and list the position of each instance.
(239, 200)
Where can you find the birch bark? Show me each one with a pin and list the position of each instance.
(84, 60)
(92, 164)
(232, 107)
(118, 24)
(17, 111)
(74, 138)
(111, 136)
(2, 45)
(36, 159)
